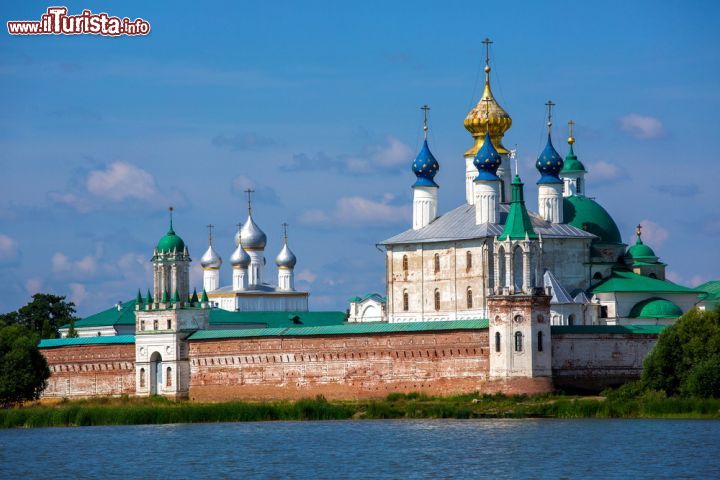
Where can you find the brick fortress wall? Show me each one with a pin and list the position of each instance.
(339, 366)
(90, 370)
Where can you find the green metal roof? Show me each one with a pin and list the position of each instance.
(586, 214)
(344, 329)
(518, 225)
(126, 316)
(103, 340)
(655, 308)
(621, 281)
(377, 296)
(572, 164)
(712, 288)
(609, 329)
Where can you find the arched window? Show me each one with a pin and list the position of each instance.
(518, 271)
(518, 341)
(169, 324)
(168, 377)
(571, 320)
(469, 298)
(437, 299)
(597, 276)
(406, 301)
(142, 378)
(405, 263)
(540, 341)
(155, 325)
(142, 325)
(579, 187)
(497, 342)
(501, 268)
(437, 263)
(468, 260)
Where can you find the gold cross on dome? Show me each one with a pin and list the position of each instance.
(487, 42)
(571, 124)
(638, 230)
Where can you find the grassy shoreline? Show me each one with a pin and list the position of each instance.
(137, 411)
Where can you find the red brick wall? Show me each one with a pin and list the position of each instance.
(90, 370)
(349, 366)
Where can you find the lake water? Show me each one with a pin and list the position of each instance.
(370, 449)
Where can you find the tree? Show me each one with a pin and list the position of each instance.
(686, 359)
(45, 314)
(23, 369)
(72, 333)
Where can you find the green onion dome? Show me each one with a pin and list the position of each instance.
(572, 164)
(641, 252)
(586, 214)
(171, 242)
(655, 308)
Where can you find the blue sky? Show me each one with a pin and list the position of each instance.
(316, 105)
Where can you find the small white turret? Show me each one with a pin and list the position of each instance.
(240, 261)
(211, 263)
(285, 262)
(550, 187)
(425, 190)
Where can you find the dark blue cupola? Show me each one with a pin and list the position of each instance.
(549, 164)
(425, 167)
(487, 160)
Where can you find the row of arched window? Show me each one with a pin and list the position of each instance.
(436, 262)
(518, 341)
(156, 325)
(436, 298)
(168, 377)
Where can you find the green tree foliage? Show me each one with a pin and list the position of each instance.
(23, 369)
(686, 359)
(44, 315)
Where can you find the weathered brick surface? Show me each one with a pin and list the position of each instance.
(351, 366)
(593, 362)
(90, 370)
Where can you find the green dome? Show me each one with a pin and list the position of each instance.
(170, 243)
(655, 308)
(586, 214)
(572, 164)
(641, 252)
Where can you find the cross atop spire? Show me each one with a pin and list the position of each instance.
(425, 110)
(285, 229)
(571, 139)
(170, 209)
(638, 230)
(210, 226)
(487, 42)
(549, 104)
(249, 193)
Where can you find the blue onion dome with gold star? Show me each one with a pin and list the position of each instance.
(425, 167)
(549, 164)
(487, 160)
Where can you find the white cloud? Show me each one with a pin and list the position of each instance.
(641, 126)
(33, 285)
(87, 266)
(78, 293)
(692, 281)
(306, 276)
(120, 181)
(263, 193)
(603, 171)
(360, 211)
(653, 234)
(9, 250)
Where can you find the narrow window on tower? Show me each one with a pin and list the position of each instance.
(437, 263)
(497, 342)
(540, 341)
(168, 377)
(169, 324)
(469, 298)
(155, 325)
(405, 263)
(142, 378)
(518, 341)
(437, 300)
(468, 261)
(406, 301)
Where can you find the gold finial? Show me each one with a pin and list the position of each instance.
(210, 226)
(571, 139)
(425, 110)
(638, 230)
(249, 192)
(549, 104)
(487, 43)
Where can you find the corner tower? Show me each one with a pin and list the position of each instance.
(495, 123)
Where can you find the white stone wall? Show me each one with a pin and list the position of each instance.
(259, 302)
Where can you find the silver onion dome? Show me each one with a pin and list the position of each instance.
(286, 258)
(210, 258)
(240, 258)
(251, 236)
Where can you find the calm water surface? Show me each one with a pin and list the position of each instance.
(369, 449)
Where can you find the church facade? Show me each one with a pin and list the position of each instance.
(488, 297)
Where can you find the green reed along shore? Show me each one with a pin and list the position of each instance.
(135, 411)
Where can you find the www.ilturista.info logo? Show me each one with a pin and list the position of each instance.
(57, 22)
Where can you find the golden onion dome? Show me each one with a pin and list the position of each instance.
(487, 110)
